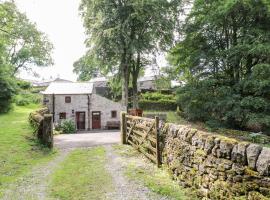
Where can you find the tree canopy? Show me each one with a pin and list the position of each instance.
(25, 45)
(22, 46)
(121, 33)
(224, 58)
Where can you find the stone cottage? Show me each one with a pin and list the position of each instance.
(78, 102)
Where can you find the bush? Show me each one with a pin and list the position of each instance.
(23, 84)
(27, 98)
(157, 101)
(161, 105)
(8, 89)
(22, 102)
(66, 126)
(156, 96)
(244, 105)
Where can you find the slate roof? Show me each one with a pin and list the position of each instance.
(69, 88)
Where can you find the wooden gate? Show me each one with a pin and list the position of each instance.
(143, 134)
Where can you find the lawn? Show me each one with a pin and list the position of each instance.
(19, 150)
(82, 176)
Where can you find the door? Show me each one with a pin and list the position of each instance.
(80, 120)
(96, 120)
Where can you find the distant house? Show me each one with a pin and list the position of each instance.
(47, 83)
(79, 103)
(147, 83)
(100, 85)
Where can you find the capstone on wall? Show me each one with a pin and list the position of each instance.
(217, 167)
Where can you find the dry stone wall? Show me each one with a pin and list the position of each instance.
(218, 167)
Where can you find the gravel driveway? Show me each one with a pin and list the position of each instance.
(88, 139)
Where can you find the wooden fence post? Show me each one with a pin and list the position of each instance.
(123, 128)
(157, 143)
(47, 130)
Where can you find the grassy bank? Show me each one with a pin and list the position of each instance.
(173, 117)
(156, 179)
(82, 176)
(19, 150)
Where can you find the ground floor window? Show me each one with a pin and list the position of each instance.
(113, 114)
(62, 115)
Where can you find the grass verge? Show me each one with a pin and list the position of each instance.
(82, 176)
(19, 150)
(173, 117)
(157, 180)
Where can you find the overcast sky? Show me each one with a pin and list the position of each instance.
(60, 20)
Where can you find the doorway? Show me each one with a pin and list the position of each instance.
(96, 120)
(80, 120)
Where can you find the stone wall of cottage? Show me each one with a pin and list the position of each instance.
(217, 167)
(79, 104)
(99, 103)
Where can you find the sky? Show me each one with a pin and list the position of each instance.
(60, 20)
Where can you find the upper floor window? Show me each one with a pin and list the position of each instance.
(68, 99)
(113, 113)
(62, 115)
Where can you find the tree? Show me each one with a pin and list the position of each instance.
(21, 47)
(26, 46)
(225, 59)
(121, 33)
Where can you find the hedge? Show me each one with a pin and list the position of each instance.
(161, 105)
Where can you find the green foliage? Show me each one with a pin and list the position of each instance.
(24, 43)
(161, 105)
(212, 101)
(26, 98)
(24, 85)
(66, 126)
(114, 88)
(123, 35)
(224, 59)
(163, 83)
(8, 89)
(156, 96)
(157, 101)
(21, 47)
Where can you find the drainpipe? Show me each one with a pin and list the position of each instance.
(88, 104)
(53, 107)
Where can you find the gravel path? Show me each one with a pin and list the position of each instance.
(34, 185)
(125, 189)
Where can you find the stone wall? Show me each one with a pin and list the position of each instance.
(106, 106)
(218, 167)
(42, 124)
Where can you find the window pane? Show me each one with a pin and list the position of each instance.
(67, 99)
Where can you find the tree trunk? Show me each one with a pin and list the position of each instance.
(125, 79)
(135, 75)
(135, 100)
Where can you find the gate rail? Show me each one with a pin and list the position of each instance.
(143, 134)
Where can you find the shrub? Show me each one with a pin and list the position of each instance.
(157, 101)
(161, 105)
(156, 96)
(22, 102)
(27, 98)
(8, 89)
(23, 84)
(66, 126)
(244, 105)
